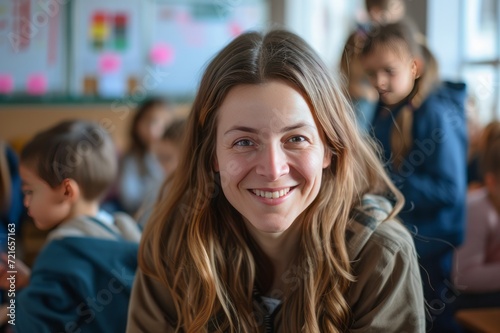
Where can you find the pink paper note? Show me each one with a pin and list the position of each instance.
(6, 84)
(162, 54)
(109, 63)
(235, 29)
(37, 84)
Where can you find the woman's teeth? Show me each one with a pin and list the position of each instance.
(271, 195)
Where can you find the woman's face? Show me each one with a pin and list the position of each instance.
(269, 154)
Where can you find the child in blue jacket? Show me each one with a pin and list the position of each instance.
(420, 125)
(81, 279)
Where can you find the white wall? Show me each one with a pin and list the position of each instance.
(443, 33)
(325, 24)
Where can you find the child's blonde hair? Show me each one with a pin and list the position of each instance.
(401, 38)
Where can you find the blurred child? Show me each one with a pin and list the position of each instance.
(477, 261)
(167, 152)
(167, 148)
(382, 12)
(420, 124)
(139, 169)
(385, 11)
(82, 277)
(363, 96)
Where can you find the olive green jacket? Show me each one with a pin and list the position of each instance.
(386, 296)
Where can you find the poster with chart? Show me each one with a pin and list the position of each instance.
(33, 55)
(107, 49)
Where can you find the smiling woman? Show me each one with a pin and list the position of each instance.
(269, 154)
(277, 217)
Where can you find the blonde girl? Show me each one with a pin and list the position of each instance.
(420, 125)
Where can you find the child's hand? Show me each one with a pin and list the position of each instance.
(22, 277)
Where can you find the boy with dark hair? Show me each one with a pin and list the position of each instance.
(385, 11)
(81, 279)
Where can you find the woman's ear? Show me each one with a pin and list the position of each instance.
(70, 189)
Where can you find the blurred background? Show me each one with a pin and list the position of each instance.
(98, 59)
(134, 67)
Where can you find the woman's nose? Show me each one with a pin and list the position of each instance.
(273, 161)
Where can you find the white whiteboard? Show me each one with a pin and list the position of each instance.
(32, 46)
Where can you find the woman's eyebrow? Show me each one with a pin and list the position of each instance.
(296, 126)
(255, 131)
(242, 129)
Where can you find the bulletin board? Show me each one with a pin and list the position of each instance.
(113, 49)
(153, 47)
(32, 48)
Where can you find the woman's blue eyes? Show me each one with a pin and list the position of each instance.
(247, 142)
(244, 143)
(297, 139)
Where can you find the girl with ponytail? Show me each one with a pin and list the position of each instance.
(420, 125)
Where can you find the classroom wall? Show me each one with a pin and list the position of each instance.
(19, 123)
(418, 11)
